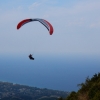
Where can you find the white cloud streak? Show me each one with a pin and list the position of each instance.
(34, 6)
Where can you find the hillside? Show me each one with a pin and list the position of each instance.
(10, 91)
(89, 90)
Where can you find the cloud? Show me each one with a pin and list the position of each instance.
(10, 16)
(95, 24)
(34, 5)
(85, 13)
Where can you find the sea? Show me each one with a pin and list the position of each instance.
(62, 73)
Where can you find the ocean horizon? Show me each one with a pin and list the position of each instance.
(52, 72)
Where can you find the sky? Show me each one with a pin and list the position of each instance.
(76, 26)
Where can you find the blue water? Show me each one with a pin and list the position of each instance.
(52, 72)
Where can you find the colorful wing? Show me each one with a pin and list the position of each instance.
(42, 21)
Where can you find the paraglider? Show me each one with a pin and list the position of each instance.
(42, 21)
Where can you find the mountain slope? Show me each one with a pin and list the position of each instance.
(10, 91)
(89, 90)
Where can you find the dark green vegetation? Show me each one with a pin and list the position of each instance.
(10, 91)
(89, 90)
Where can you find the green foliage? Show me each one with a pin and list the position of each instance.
(60, 98)
(89, 90)
(85, 86)
(94, 92)
(72, 96)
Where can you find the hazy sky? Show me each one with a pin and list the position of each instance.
(76, 27)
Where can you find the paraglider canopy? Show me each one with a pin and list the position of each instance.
(42, 21)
